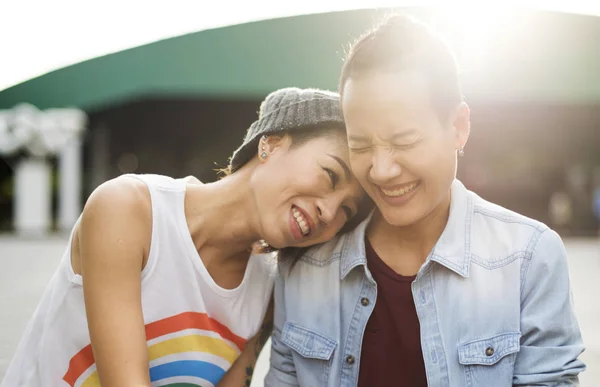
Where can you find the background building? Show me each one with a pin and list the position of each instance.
(181, 105)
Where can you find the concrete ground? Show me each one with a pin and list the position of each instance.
(26, 265)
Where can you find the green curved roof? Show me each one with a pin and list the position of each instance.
(540, 56)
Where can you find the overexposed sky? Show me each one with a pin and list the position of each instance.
(44, 35)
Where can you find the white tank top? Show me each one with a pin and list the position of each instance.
(195, 329)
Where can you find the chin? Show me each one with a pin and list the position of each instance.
(277, 245)
(400, 217)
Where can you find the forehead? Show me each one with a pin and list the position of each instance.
(332, 142)
(387, 101)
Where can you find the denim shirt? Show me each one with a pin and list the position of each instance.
(493, 300)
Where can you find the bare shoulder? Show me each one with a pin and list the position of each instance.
(124, 193)
(118, 209)
(124, 199)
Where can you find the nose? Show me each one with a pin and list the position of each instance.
(383, 165)
(328, 208)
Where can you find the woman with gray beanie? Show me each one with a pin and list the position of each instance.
(158, 285)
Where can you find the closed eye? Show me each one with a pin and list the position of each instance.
(403, 146)
(360, 149)
(348, 212)
(333, 176)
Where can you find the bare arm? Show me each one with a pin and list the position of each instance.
(241, 372)
(114, 236)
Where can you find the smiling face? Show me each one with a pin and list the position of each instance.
(304, 193)
(402, 153)
(405, 118)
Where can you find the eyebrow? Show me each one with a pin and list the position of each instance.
(403, 134)
(358, 139)
(395, 136)
(347, 172)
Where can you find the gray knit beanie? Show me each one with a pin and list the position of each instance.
(286, 110)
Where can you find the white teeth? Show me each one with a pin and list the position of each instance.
(401, 191)
(301, 222)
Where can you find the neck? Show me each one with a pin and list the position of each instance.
(419, 238)
(221, 217)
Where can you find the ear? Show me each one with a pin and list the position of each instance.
(270, 144)
(462, 125)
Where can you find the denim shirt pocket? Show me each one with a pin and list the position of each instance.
(315, 352)
(490, 361)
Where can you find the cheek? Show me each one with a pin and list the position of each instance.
(291, 184)
(270, 195)
(360, 164)
(304, 179)
(438, 171)
(436, 159)
(273, 185)
(305, 185)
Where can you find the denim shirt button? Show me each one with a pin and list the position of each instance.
(364, 301)
(489, 351)
(350, 359)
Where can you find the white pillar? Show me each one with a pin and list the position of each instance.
(33, 197)
(70, 174)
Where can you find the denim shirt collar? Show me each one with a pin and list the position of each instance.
(353, 248)
(452, 249)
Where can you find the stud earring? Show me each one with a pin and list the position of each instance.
(263, 154)
(461, 151)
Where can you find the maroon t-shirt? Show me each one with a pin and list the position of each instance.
(391, 351)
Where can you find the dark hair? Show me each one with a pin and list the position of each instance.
(402, 43)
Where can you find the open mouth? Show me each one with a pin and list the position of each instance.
(398, 192)
(301, 221)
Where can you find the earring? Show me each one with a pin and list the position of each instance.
(263, 148)
(461, 151)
